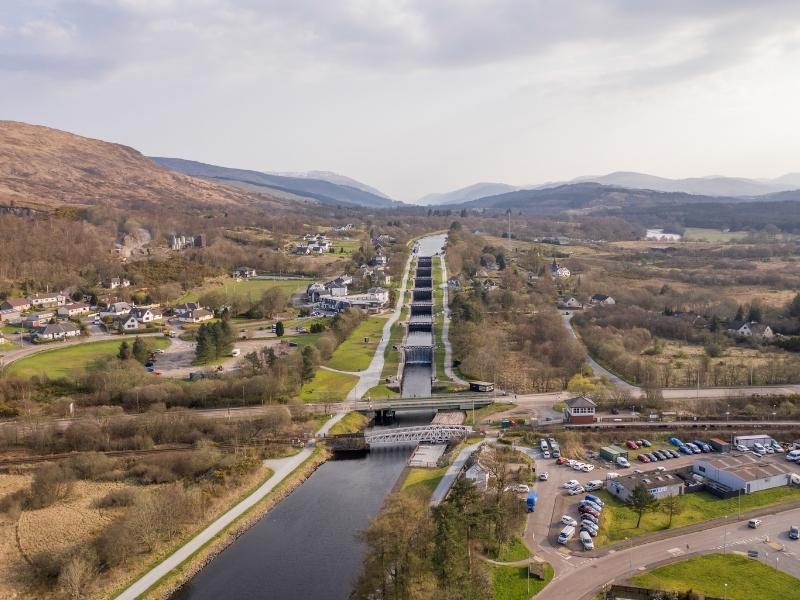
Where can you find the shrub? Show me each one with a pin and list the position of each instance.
(117, 499)
(51, 482)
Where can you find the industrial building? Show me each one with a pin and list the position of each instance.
(751, 440)
(734, 473)
(659, 485)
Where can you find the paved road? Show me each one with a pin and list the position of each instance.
(282, 469)
(452, 473)
(448, 348)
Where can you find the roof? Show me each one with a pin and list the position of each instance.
(745, 466)
(650, 480)
(581, 402)
(600, 297)
(56, 328)
(45, 296)
(17, 301)
(736, 324)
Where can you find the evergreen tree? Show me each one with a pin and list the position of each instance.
(140, 350)
(309, 363)
(279, 330)
(124, 351)
(739, 314)
(642, 501)
(794, 307)
(754, 314)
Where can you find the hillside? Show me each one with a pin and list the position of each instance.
(583, 198)
(336, 178)
(44, 169)
(325, 192)
(703, 186)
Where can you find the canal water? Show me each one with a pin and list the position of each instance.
(306, 547)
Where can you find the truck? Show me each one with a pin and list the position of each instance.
(555, 450)
(531, 502)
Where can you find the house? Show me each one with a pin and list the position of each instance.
(659, 485)
(146, 315)
(568, 302)
(73, 309)
(338, 286)
(34, 320)
(198, 315)
(314, 291)
(729, 474)
(344, 228)
(116, 309)
(602, 299)
(479, 476)
(558, 271)
(181, 242)
(127, 322)
(116, 282)
(10, 316)
(56, 331)
(579, 410)
(489, 285)
(379, 260)
(751, 329)
(302, 250)
(244, 272)
(18, 304)
(379, 293)
(454, 283)
(186, 308)
(47, 300)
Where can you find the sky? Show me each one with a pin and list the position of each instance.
(418, 96)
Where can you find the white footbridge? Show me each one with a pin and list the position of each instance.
(432, 434)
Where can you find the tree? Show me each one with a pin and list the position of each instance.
(279, 329)
(124, 351)
(642, 501)
(794, 307)
(739, 314)
(671, 506)
(309, 355)
(78, 573)
(754, 314)
(140, 350)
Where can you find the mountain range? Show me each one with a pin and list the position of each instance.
(323, 190)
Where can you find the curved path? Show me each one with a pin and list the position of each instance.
(677, 393)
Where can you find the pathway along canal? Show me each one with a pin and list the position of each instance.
(306, 548)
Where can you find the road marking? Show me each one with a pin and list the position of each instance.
(675, 551)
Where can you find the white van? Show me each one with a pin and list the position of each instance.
(586, 541)
(793, 455)
(566, 534)
(623, 462)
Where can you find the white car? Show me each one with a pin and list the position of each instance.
(571, 483)
(595, 484)
(578, 466)
(578, 489)
(661, 469)
(587, 468)
(544, 476)
(567, 520)
(571, 462)
(623, 462)
(741, 448)
(546, 454)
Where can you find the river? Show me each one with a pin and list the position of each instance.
(306, 548)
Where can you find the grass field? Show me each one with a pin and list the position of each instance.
(62, 362)
(422, 479)
(707, 575)
(252, 288)
(352, 422)
(513, 583)
(354, 354)
(480, 413)
(711, 235)
(618, 521)
(381, 391)
(327, 386)
(514, 551)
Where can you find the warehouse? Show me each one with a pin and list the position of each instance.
(740, 472)
(750, 440)
(660, 486)
(611, 453)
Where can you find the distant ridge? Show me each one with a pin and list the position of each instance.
(465, 194)
(321, 190)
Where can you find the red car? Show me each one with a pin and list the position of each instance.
(643, 458)
(561, 460)
(632, 445)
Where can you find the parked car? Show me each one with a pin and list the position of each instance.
(741, 448)
(623, 462)
(586, 541)
(652, 456)
(592, 505)
(674, 453)
(577, 466)
(546, 454)
(754, 523)
(590, 530)
(578, 489)
(632, 445)
(752, 553)
(587, 468)
(567, 520)
(794, 532)
(571, 483)
(661, 455)
(646, 443)
(590, 518)
(589, 510)
(595, 484)
(644, 458)
(595, 499)
(685, 449)
(661, 470)
(561, 460)
(544, 476)
(566, 534)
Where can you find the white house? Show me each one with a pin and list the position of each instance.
(750, 329)
(198, 315)
(116, 309)
(47, 300)
(56, 331)
(569, 302)
(73, 309)
(602, 299)
(244, 272)
(18, 304)
(146, 315)
(184, 309)
(126, 322)
(117, 282)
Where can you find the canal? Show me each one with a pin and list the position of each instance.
(306, 547)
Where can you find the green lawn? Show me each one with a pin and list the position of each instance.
(707, 575)
(252, 288)
(422, 479)
(354, 354)
(381, 391)
(11, 329)
(352, 422)
(61, 362)
(327, 386)
(618, 521)
(480, 413)
(512, 583)
(514, 551)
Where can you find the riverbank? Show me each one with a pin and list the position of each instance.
(165, 587)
